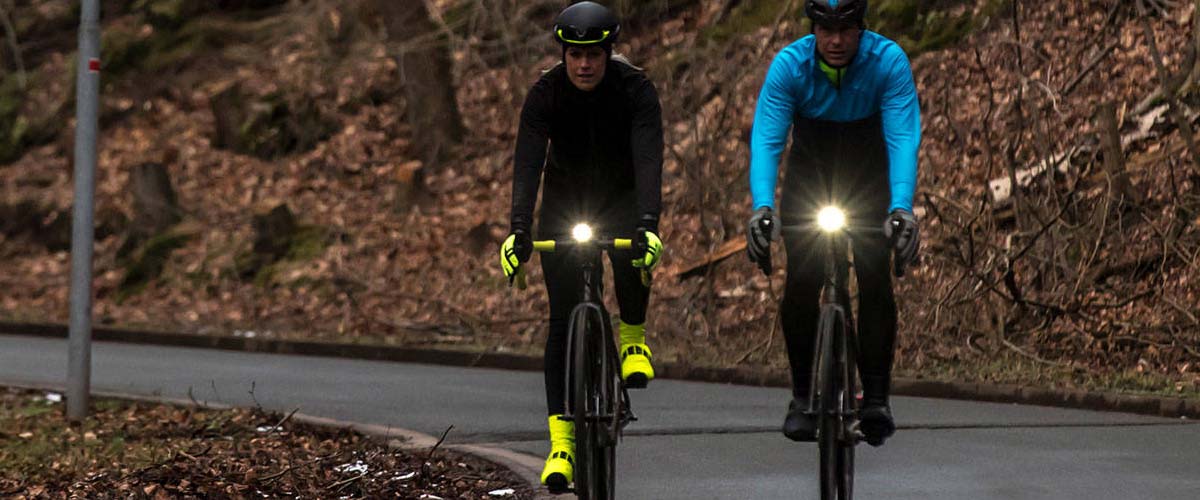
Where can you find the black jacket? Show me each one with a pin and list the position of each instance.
(605, 153)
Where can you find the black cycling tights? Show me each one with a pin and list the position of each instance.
(564, 282)
(876, 320)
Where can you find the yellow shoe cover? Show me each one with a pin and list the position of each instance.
(635, 356)
(560, 465)
(636, 370)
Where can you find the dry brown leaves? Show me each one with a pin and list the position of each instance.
(428, 275)
(144, 450)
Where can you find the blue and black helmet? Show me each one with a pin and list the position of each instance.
(587, 23)
(837, 12)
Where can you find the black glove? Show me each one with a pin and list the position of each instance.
(761, 231)
(902, 229)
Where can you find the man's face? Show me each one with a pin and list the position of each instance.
(838, 44)
(585, 66)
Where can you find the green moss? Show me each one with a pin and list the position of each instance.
(308, 243)
(12, 125)
(149, 262)
(168, 14)
(745, 18)
(276, 127)
(123, 48)
(923, 25)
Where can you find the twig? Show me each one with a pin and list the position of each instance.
(277, 475)
(1167, 83)
(438, 443)
(1070, 86)
(283, 421)
(1182, 309)
(198, 455)
(257, 405)
(1030, 355)
(345, 482)
(1123, 303)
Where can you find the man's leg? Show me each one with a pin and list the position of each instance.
(632, 297)
(799, 311)
(876, 334)
(563, 284)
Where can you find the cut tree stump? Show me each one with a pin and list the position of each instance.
(155, 206)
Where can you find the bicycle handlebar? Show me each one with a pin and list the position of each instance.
(551, 246)
(554, 245)
(899, 267)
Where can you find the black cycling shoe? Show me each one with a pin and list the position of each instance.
(876, 423)
(799, 425)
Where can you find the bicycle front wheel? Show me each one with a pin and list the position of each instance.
(836, 467)
(592, 401)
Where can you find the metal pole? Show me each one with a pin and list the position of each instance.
(87, 96)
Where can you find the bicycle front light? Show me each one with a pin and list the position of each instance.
(582, 233)
(831, 219)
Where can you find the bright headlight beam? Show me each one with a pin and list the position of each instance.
(831, 219)
(582, 233)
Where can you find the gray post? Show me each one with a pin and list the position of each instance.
(87, 96)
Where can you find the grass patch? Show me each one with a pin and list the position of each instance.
(1013, 369)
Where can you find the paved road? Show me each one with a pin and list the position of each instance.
(694, 440)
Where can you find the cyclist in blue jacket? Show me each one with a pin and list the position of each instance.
(848, 96)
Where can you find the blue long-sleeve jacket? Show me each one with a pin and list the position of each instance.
(879, 80)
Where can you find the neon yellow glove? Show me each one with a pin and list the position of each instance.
(516, 249)
(653, 255)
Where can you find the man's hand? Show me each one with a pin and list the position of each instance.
(516, 250)
(902, 230)
(761, 231)
(652, 248)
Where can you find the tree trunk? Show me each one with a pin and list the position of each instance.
(1114, 158)
(425, 74)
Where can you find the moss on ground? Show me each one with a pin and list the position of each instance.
(149, 261)
(1018, 370)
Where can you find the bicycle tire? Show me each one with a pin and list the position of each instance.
(608, 381)
(836, 405)
(581, 387)
(846, 405)
(827, 403)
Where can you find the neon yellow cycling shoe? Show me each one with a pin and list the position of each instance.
(560, 465)
(636, 370)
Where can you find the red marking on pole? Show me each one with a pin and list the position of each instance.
(94, 65)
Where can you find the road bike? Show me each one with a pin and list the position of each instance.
(597, 399)
(834, 391)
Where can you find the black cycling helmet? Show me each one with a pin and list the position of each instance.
(837, 12)
(587, 23)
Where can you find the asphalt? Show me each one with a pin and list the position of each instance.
(693, 440)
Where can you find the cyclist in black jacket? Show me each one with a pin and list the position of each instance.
(602, 120)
